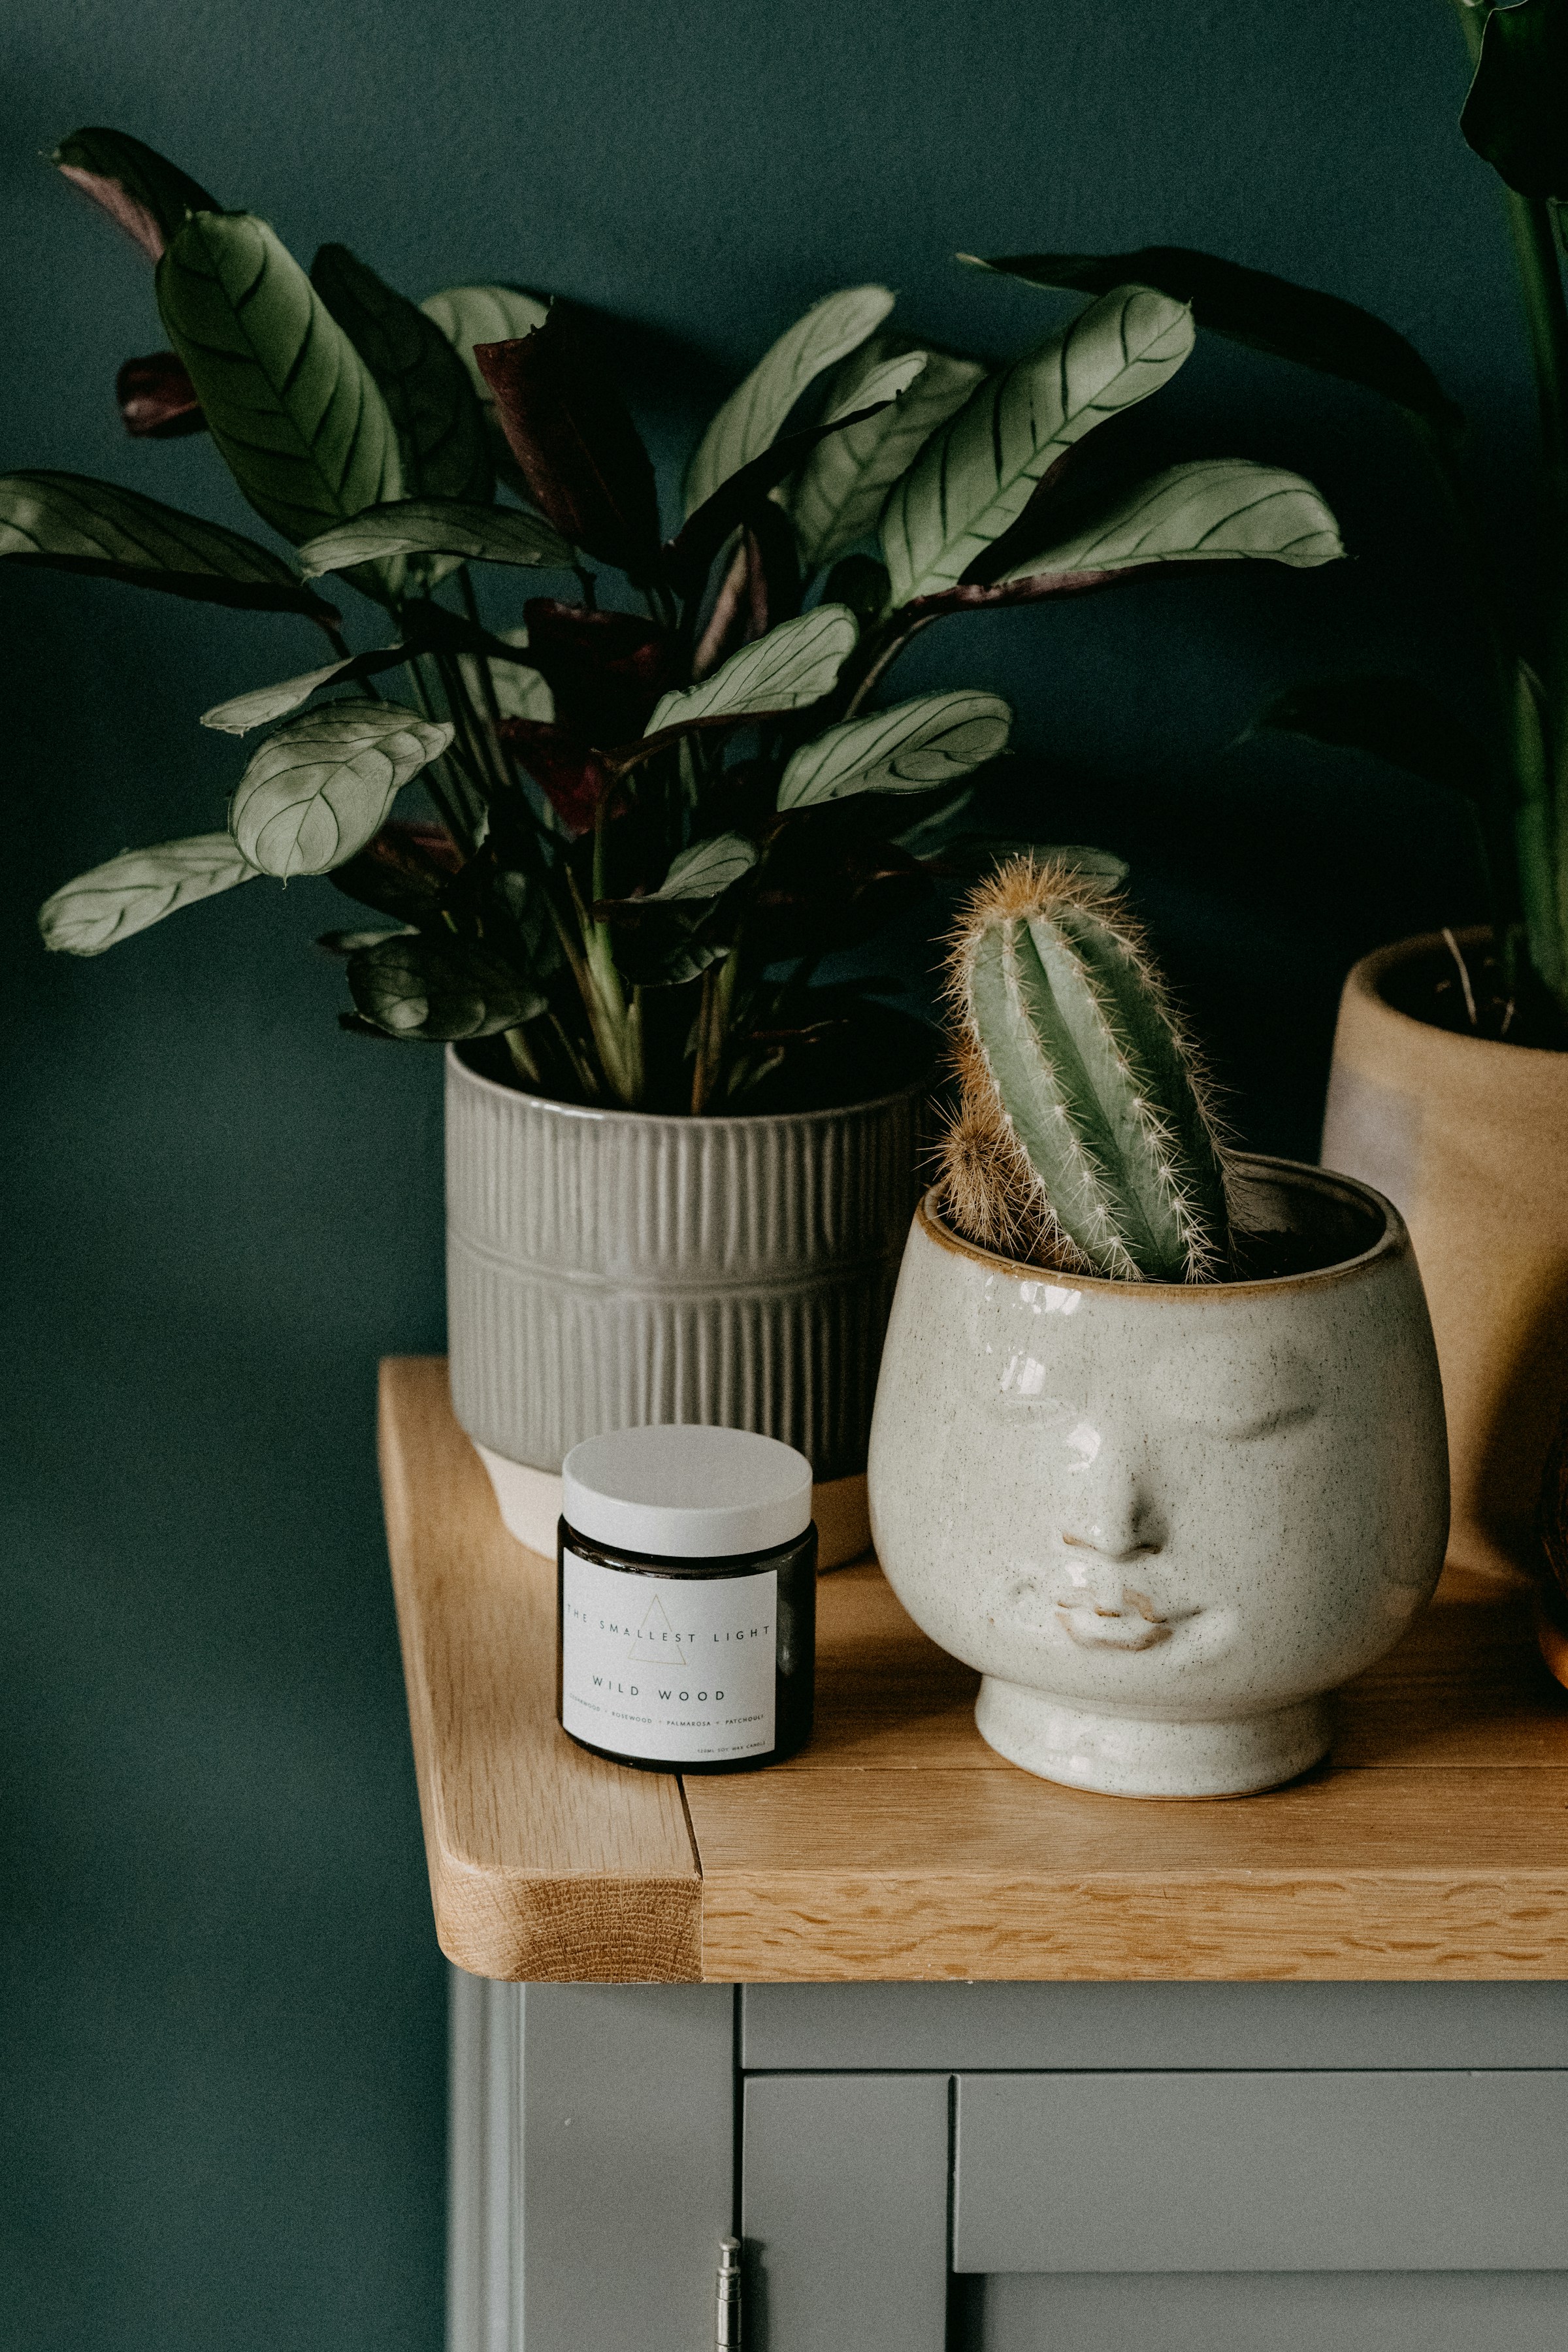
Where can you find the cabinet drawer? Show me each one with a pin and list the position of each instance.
(1262, 2172)
(1310, 2311)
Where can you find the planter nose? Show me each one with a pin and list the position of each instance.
(1113, 1516)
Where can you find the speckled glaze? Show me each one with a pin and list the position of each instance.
(1164, 1521)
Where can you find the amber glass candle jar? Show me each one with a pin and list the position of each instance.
(687, 1599)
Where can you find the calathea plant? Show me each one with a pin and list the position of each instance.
(1510, 759)
(660, 796)
(1082, 1138)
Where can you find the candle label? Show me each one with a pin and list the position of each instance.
(680, 1670)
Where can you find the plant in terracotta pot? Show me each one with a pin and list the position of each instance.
(1450, 1084)
(679, 1169)
(1158, 1443)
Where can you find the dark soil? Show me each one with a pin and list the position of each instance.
(1468, 991)
(1271, 1255)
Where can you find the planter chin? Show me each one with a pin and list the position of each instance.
(1165, 1520)
(1468, 1136)
(609, 1268)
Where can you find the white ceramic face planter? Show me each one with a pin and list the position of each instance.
(1164, 1521)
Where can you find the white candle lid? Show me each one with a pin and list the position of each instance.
(685, 1492)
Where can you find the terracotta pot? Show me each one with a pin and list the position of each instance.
(1469, 1139)
(610, 1269)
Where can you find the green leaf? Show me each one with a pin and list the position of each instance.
(346, 943)
(321, 787)
(685, 962)
(862, 583)
(912, 748)
(139, 887)
(417, 987)
(440, 424)
(434, 527)
(670, 957)
(742, 498)
(886, 377)
(426, 628)
(754, 413)
(1264, 313)
(294, 409)
(527, 902)
(521, 693)
(405, 872)
(793, 665)
(467, 315)
(1394, 718)
(707, 870)
(1216, 510)
(266, 703)
(68, 522)
(835, 499)
(150, 197)
(974, 478)
(1516, 115)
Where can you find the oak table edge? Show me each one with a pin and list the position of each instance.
(896, 1746)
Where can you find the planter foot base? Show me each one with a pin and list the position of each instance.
(1129, 1756)
(529, 1501)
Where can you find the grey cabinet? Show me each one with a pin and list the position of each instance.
(1201, 2171)
(1013, 2167)
(1313, 2311)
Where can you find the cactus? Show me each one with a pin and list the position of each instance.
(1082, 1139)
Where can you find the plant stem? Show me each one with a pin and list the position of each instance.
(617, 1026)
(713, 1027)
(703, 1068)
(1539, 739)
(1546, 315)
(486, 681)
(886, 645)
(443, 774)
(522, 1056)
(476, 751)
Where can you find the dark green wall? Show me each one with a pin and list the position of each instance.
(223, 2108)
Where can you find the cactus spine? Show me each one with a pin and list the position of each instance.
(1081, 1139)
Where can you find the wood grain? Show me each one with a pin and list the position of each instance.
(1355, 1875)
(898, 1845)
(545, 1862)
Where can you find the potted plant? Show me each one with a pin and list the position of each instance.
(679, 1171)
(1158, 1443)
(1449, 1082)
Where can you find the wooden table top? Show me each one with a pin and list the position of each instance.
(1433, 1845)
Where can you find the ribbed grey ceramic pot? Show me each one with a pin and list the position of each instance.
(608, 1268)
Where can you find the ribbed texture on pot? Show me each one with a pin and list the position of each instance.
(608, 1268)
